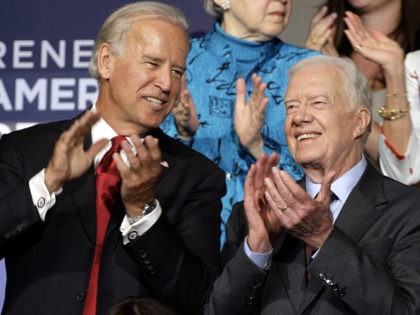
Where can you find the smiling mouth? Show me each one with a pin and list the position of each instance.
(277, 13)
(154, 100)
(307, 136)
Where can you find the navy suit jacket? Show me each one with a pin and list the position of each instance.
(48, 263)
(369, 264)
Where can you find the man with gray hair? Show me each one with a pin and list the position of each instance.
(344, 240)
(86, 221)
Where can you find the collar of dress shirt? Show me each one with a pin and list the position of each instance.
(101, 130)
(342, 186)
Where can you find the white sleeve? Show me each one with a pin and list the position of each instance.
(412, 81)
(41, 197)
(405, 169)
(131, 231)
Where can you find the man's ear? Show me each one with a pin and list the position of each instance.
(106, 60)
(363, 118)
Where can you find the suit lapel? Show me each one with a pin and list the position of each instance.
(83, 194)
(364, 205)
(361, 210)
(286, 281)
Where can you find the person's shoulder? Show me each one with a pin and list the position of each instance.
(413, 58)
(296, 51)
(39, 131)
(200, 39)
(183, 152)
(395, 189)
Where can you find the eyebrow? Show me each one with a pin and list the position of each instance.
(160, 60)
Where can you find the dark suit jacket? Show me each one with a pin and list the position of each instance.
(48, 263)
(370, 264)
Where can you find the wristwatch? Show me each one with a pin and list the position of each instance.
(148, 208)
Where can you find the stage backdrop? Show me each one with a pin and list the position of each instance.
(45, 47)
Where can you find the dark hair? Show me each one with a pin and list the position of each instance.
(407, 33)
(140, 306)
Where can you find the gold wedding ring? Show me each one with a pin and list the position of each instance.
(357, 47)
(282, 208)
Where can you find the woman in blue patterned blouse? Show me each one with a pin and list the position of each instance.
(244, 43)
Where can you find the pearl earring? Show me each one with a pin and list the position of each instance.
(225, 5)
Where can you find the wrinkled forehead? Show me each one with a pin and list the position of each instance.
(315, 79)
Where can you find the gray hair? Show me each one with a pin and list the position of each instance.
(215, 12)
(116, 26)
(357, 89)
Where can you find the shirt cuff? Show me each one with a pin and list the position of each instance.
(41, 197)
(262, 260)
(132, 231)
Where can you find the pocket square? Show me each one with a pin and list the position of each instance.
(164, 164)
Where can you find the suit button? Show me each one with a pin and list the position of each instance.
(322, 276)
(329, 282)
(7, 234)
(81, 296)
(250, 300)
(142, 253)
(257, 284)
(151, 269)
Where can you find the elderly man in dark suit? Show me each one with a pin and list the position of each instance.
(346, 240)
(155, 230)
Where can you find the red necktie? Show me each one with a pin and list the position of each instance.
(107, 189)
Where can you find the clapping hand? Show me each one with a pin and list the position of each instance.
(264, 227)
(249, 118)
(184, 112)
(374, 45)
(322, 31)
(139, 176)
(70, 159)
(306, 218)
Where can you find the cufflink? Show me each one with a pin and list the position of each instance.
(41, 202)
(132, 235)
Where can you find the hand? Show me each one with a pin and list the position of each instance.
(249, 118)
(307, 219)
(138, 179)
(374, 45)
(321, 35)
(263, 225)
(69, 159)
(184, 112)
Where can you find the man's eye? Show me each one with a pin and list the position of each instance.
(178, 73)
(152, 64)
(290, 108)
